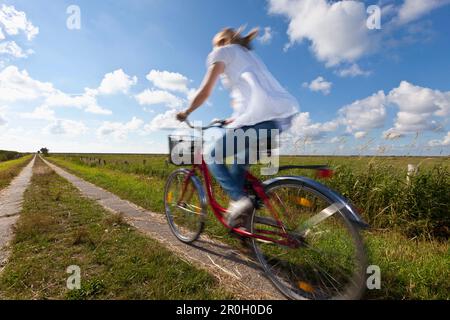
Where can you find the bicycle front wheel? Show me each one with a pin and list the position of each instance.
(318, 253)
(184, 209)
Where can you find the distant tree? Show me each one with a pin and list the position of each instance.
(44, 151)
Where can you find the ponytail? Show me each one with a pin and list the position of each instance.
(231, 36)
(246, 41)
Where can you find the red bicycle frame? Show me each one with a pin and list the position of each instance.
(219, 211)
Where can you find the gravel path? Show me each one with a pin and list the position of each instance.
(10, 206)
(234, 270)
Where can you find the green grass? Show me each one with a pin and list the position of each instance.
(377, 185)
(411, 268)
(58, 228)
(9, 155)
(10, 169)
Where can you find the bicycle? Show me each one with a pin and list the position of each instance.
(305, 236)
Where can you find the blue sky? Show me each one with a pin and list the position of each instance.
(115, 83)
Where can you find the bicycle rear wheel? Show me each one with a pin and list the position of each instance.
(184, 208)
(325, 257)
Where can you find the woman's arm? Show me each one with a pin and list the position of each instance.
(205, 90)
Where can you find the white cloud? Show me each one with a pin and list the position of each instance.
(165, 120)
(353, 71)
(154, 97)
(86, 101)
(365, 114)
(304, 128)
(119, 130)
(337, 31)
(267, 36)
(441, 143)
(319, 85)
(171, 81)
(96, 109)
(17, 85)
(416, 99)
(12, 48)
(418, 107)
(40, 113)
(116, 82)
(392, 135)
(335, 140)
(66, 128)
(15, 22)
(412, 10)
(360, 134)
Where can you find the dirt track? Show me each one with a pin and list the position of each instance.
(10, 206)
(234, 270)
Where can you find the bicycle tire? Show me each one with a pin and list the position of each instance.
(357, 285)
(200, 211)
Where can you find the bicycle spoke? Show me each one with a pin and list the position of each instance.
(183, 207)
(332, 259)
(320, 217)
(323, 262)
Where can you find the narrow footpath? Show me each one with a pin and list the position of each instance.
(11, 199)
(233, 269)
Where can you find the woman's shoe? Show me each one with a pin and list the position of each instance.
(237, 210)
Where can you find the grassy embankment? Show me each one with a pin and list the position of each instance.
(10, 169)
(411, 268)
(59, 228)
(9, 155)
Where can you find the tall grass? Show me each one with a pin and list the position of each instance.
(419, 207)
(378, 186)
(9, 155)
(10, 169)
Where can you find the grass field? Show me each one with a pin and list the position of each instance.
(10, 169)
(412, 267)
(58, 228)
(377, 185)
(9, 155)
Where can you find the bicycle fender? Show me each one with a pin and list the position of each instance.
(348, 210)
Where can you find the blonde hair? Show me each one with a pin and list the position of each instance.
(232, 36)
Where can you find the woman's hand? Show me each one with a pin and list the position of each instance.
(182, 116)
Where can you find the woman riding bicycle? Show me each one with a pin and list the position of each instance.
(259, 103)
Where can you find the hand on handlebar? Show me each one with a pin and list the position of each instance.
(182, 116)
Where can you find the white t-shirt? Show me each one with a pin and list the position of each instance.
(257, 95)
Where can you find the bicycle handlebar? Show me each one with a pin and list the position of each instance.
(213, 124)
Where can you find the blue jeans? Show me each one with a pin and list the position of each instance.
(232, 178)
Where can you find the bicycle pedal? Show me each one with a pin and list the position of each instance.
(243, 241)
(257, 203)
